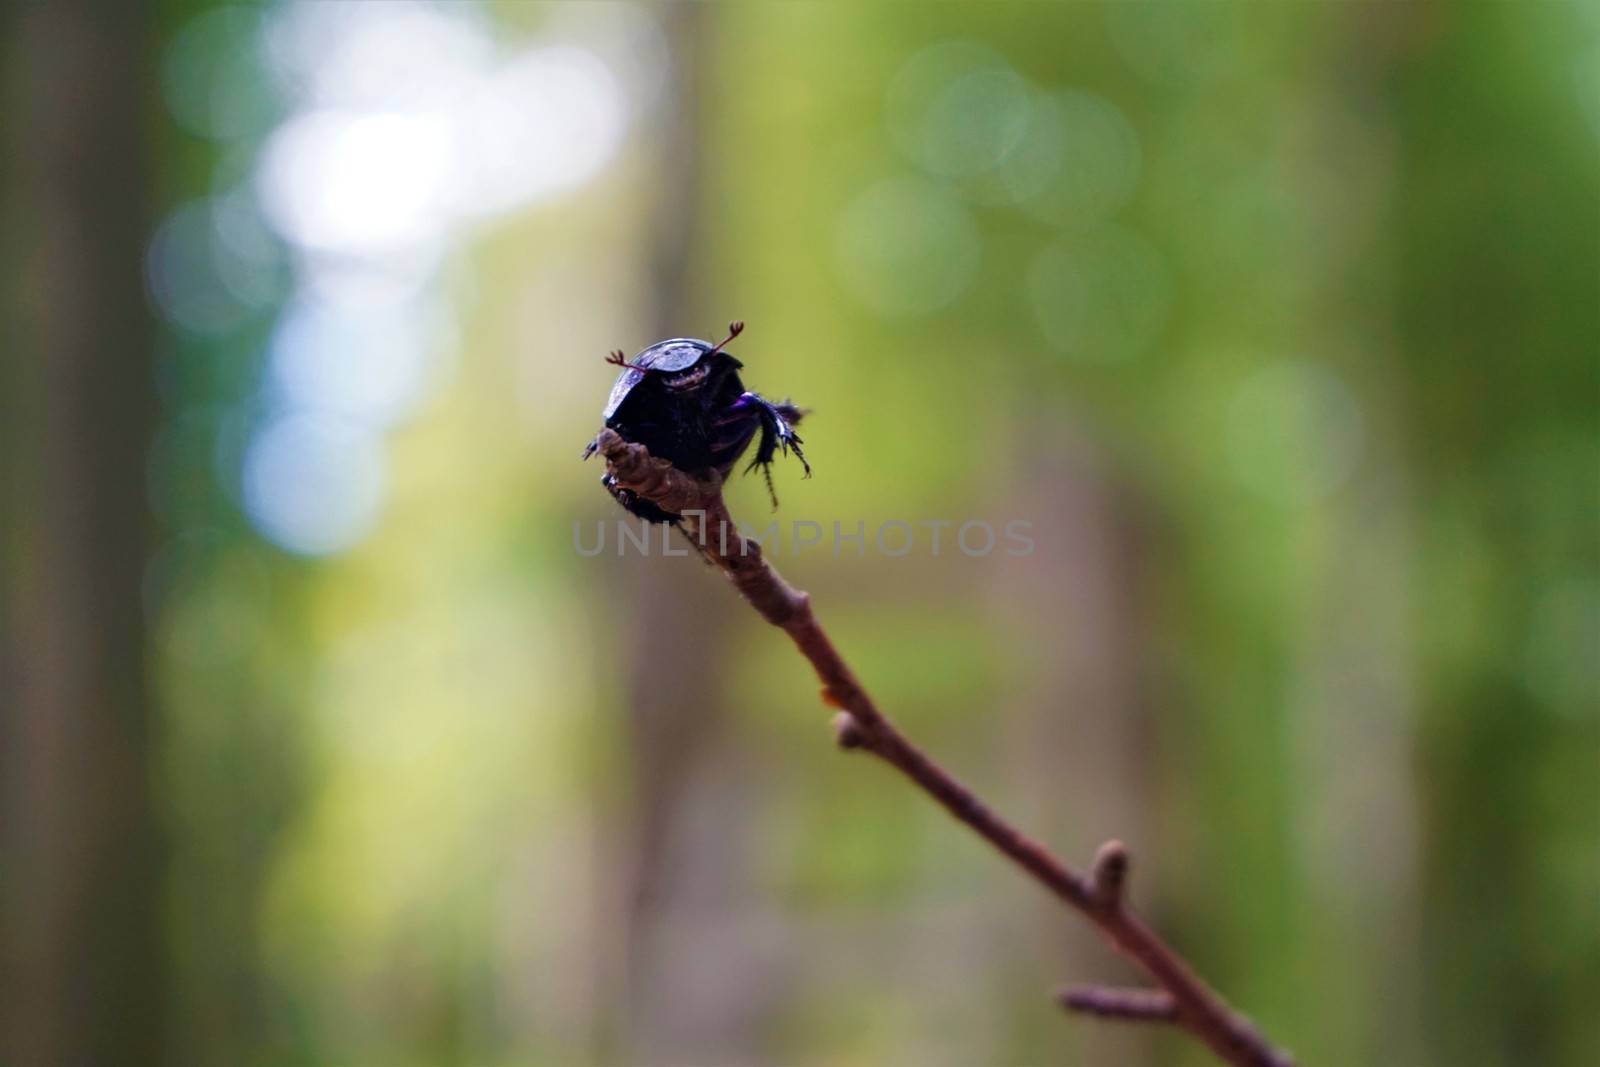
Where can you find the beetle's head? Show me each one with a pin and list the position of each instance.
(689, 378)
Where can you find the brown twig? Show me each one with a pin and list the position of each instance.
(1181, 997)
(1133, 1005)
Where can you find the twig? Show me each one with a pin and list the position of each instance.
(1133, 1005)
(1181, 998)
(1108, 875)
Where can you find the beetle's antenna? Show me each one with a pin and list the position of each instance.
(617, 359)
(735, 328)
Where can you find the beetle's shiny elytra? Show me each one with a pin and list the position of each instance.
(683, 400)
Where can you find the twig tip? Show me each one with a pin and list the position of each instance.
(846, 731)
(1108, 875)
(1132, 1005)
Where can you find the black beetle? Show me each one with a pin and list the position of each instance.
(683, 400)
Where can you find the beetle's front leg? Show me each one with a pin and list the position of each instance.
(777, 430)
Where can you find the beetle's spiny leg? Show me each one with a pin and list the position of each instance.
(790, 413)
(776, 433)
(788, 439)
(766, 471)
(794, 443)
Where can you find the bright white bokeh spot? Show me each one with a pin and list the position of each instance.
(1102, 296)
(390, 55)
(408, 274)
(958, 109)
(626, 37)
(357, 183)
(313, 484)
(415, 125)
(410, 126)
(907, 247)
(366, 361)
(1294, 431)
(547, 121)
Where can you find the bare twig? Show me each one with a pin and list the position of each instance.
(1134, 1005)
(1181, 998)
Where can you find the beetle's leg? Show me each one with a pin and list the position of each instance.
(779, 419)
(766, 464)
(634, 504)
(789, 412)
(776, 433)
(594, 446)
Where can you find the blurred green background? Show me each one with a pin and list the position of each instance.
(323, 745)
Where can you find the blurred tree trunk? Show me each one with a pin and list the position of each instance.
(81, 980)
(674, 713)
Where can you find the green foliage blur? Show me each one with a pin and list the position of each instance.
(1278, 323)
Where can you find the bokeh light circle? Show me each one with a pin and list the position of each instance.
(313, 484)
(1101, 296)
(211, 76)
(1294, 431)
(907, 246)
(365, 361)
(1174, 44)
(958, 109)
(545, 122)
(189, 282)
(1081, 162)
(355, 182)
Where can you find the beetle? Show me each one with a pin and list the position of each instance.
(683, 400)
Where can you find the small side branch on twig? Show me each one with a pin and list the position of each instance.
(1108, 875)
(1133, 1005)
(1181, 997)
